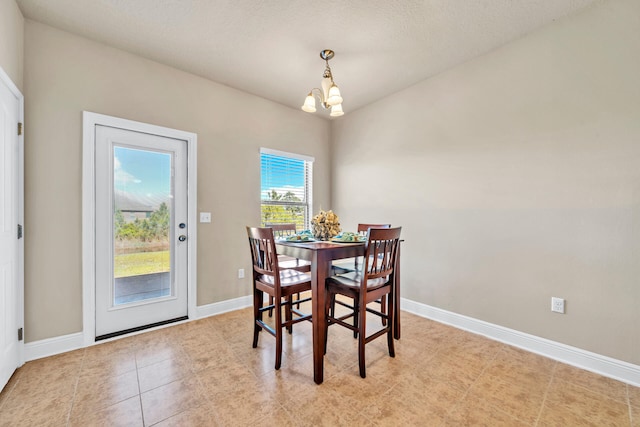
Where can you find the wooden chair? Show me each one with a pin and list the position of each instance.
(354, 264)
(277, 283)
(374, 281)
(284, 262)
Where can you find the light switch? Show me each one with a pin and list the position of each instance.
(205, 216)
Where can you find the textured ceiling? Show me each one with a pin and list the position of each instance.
(270, 48)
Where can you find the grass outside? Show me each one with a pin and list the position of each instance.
(134, 264)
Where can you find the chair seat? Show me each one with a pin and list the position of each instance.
(288, 278)
(352, 280)
(284, 263)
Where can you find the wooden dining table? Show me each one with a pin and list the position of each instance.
(321, 254)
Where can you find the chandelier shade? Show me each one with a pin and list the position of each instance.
(334, 96)
(336, 110)
(309, 104)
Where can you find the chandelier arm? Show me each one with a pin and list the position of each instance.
(318, 92)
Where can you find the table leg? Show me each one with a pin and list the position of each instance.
(319, 270)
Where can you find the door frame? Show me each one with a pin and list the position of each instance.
(6, 80)
(90, 120)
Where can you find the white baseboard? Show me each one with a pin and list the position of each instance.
(51, 346)
(223, 306)
(603, 365)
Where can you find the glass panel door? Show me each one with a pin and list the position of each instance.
(141, 230)
(143, 209)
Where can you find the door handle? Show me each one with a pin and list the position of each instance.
(182, 238)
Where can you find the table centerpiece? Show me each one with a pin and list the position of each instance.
(325, 225)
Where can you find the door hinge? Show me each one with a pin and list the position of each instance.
(19, 231)
(19, 128)
(20, 334)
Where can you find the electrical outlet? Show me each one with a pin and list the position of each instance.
(241, 273)
(557, 305)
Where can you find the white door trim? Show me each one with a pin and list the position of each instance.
(6, 80)
(90, 120)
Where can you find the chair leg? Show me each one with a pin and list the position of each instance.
(270, 303)
(278, 328)
(355, 316)
(332, 301)
(329, 307)
(391, 311)
(383, 308)
(257, 305)
(362, 335)
(287, 313)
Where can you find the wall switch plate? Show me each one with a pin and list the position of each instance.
(241, 273)
(557, 305)
(205, 216)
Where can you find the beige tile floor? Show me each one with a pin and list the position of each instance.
(205, 373)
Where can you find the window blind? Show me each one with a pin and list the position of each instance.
(285, 188)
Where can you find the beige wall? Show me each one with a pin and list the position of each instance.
(516, 177)
(66, 74)
(11, 40)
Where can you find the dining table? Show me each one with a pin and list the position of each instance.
(321, 254)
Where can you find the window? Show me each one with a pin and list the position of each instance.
(285, 188)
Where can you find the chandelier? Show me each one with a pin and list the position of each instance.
(329, 95)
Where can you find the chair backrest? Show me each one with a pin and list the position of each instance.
(364, 228)
(380, 255)
(282, 230)
(263, 252)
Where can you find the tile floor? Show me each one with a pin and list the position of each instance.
(205, 373)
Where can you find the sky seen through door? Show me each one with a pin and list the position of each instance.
(142, 172)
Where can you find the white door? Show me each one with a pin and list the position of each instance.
(141, 230)
(10, 200)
